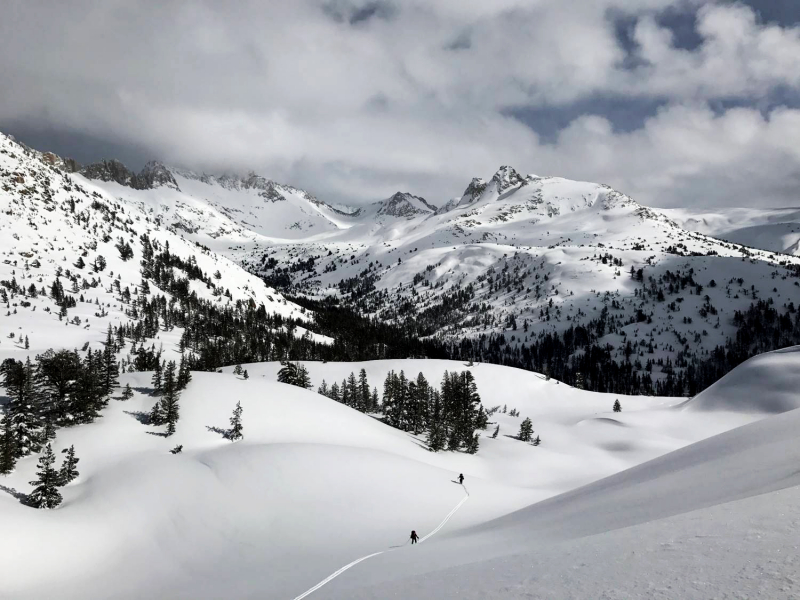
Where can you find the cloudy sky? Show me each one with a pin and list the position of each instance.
(675, 102)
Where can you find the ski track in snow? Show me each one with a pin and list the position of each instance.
(334, 575)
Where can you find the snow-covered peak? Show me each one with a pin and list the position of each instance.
(506, 177)
(403, 204)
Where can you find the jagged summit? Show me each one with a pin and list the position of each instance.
(403, 204)
(155, 174)
(506, 177)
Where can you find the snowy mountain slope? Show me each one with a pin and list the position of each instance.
(55, 226)
(312, 486)
(728, 501)
(520, 257)
(775, 229)
(516, 257)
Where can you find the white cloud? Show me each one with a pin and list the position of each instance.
(355, 111)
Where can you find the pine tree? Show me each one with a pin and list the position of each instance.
(8, 446)
(353, 391)
(236, 423)
(525, 430)
(158, 385)
(127, 392)
(303, 379)
(374, 403)
(169, 400)
(617, 406)
(437, 438)
(288, 373)
(110, 367)
(496, 432)
(46, 494)
(156, 416)
(363, 392)
(184, 374)
(324, 390)
(68, 471)
(472, 446)
(579, 383)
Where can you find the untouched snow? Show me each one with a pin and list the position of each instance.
(718, 519)
(767, 383)
(315, 485)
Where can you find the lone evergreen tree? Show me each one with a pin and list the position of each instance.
(127, 392)
(525, 430)
(68, 471)
(236, 423)
(496, 431)
(46, 494)
(169, 401)
(617, 406)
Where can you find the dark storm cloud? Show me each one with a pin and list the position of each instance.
(672, 101)
(625, 114)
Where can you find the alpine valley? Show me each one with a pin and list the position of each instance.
(615, 384)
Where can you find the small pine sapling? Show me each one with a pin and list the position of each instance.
(236, 424)
(617, 406)
(537, 441)
(68, 471)
(127, 392)
(496, 432)
(46, 494)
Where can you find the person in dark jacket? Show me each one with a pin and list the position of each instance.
(414, 537)
(461, 478)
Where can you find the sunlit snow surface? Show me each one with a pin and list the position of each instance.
(315, 485)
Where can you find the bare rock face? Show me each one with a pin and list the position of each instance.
(474, 190)
(156, 175)
(111, 170)
(506, 177)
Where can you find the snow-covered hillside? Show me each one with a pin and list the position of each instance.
(62, 227)
(314, 485)
(775, 229)
(719, 515)
(539, 272)
(514, 259)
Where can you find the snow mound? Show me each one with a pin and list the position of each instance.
(767, 383)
